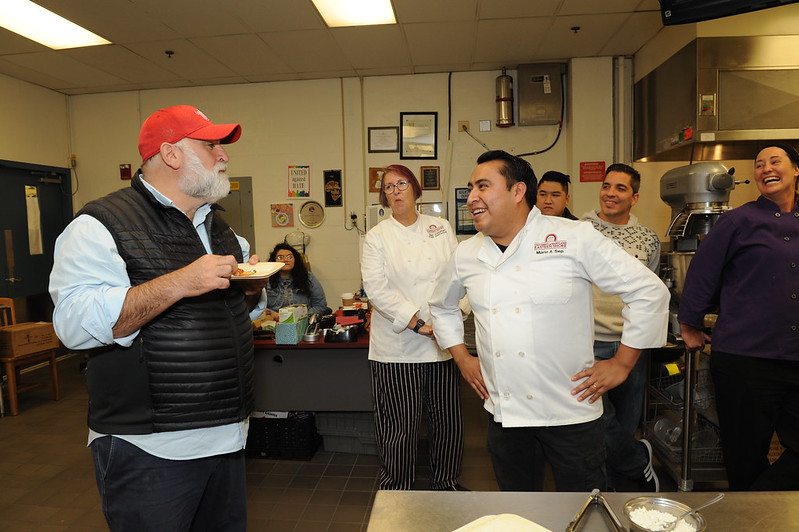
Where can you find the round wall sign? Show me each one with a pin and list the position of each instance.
(312, 214)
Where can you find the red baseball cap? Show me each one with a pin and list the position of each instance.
(179, 122)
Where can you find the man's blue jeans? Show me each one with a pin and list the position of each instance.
(623, 405)
(143, 492)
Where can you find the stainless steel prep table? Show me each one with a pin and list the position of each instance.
(442, 511)
(313, 376)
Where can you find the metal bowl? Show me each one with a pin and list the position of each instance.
(678, 262)
(664, 505)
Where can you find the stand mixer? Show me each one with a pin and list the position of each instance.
(697, 194)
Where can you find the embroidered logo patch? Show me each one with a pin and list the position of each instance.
(434, 230)
(551, 244)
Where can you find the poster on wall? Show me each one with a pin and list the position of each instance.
(282, 215)
(332, 180)
(376, 179)
(299, 181)
(464, 224)
(592, 171)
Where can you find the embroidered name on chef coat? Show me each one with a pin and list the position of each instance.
(551, 244)
(434, 230)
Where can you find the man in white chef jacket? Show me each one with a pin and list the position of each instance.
(528, 278)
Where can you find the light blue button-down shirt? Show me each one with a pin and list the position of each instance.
(89, 283)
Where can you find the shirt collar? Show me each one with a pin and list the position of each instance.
(199, 215)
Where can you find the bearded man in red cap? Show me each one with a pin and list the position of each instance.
(141, 283)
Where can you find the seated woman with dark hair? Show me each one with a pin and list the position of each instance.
(294, 284)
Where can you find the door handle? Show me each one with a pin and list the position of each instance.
(10, 262)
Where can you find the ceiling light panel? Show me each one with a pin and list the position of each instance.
(45, 27)
(339, 13)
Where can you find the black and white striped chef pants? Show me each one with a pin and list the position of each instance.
(400, 391)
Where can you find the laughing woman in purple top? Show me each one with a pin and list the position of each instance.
(747, 268)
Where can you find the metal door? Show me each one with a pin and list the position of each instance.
(35, 206)
(238, 207)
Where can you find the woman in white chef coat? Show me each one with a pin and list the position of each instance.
(401, 259)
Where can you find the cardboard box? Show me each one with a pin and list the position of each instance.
(28, 337)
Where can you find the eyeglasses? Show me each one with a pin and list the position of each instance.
(401, 185)
(285, 257)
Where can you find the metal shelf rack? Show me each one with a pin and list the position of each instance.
(688, 459)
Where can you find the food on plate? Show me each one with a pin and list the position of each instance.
(243, 273)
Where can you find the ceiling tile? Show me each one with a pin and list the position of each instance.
(37, 77)
(509, 41)
(194, 18)
(373, 46)
(120, 62)
(633, 34)
(307, 50)
(409, 11)
(278, 15)
(187, 61)
(594, 31)
(586, 7)
(441, 42)
(243, 54)
(494, 9)
(73, 72)
(11, 43)
(264, 40)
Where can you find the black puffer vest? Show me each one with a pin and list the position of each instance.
(192, 366)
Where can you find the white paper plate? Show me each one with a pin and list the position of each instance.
(260, 270)
(502, 523)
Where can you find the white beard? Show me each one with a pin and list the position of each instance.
(201, 183)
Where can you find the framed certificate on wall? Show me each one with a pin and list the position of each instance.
(383, 139)
(419, 135)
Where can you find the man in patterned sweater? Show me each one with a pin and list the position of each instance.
(628, 458)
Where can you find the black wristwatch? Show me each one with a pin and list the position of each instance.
(419, 324)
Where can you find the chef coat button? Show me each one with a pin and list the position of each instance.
(498, 354)
(796, 215)
(777, 214)
(506, 395)
(793, 296)
(529, 396)
(518, 268)
(793, 327)
(787, 238)
(517, 310)
(521, 353)
(493, 311)
(793, 265)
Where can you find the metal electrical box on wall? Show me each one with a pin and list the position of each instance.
(540, 93)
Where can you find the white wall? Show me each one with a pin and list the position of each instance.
(321, 123)
(34, 124)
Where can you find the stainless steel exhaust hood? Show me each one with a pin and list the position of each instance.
(719, 98)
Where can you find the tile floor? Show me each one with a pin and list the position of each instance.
(47, 479)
